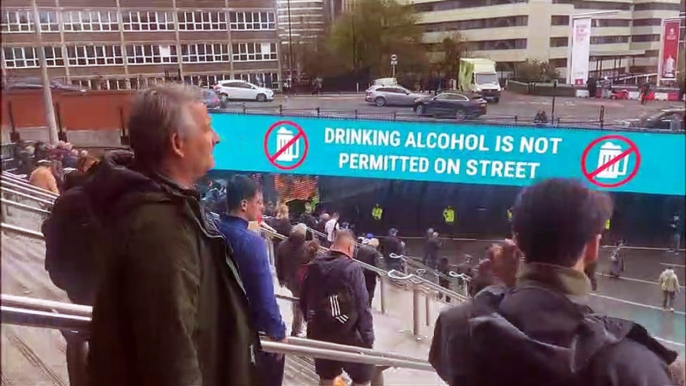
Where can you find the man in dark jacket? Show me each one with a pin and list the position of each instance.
(291, 258)
(433, 246)
(392, 245)
(333, 296)
(367, 253)
(244, 202)
(542, 331)
(171, 309)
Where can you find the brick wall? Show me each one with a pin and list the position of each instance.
(91, 110)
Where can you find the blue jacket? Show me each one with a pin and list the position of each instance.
(250, 253)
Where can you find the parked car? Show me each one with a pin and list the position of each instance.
(210, 98)
(450, 105)
(391, 96)
(669, 119)
(240, 89)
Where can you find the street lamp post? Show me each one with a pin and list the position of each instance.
(53, 136)
(290, 42)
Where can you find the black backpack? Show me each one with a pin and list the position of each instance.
(333, 309)
(72, 233)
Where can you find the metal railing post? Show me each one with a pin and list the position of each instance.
(415, 311)
(382, 293)
(427, 304)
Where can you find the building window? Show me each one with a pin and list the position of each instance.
(202, 21)
(496, 22)
(559, 42)
(151, 54)
(612, 22)
(456, 4)
(22, 21)
(657, 7)
(558, 63)
(249, 52)
(102, 83)
(645, 38)
(91, 21)
(506, 44)
(94, 55)
(252, 21)
(559, 20)
(612, 5)
(205, 53)
(20, 57)
(268, 79)
(148, 21)
(647, 22)
(609, 39)
(53, 56)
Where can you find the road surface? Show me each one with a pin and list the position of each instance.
(571, 111)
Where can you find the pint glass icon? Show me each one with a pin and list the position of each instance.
(283, 136)
(608, 151)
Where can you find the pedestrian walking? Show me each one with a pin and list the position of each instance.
(669, 284)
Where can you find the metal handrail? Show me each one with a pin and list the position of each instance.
(13, 178)
(27, 190)
(24, 206)
(12, 314)
(28, 196)
(22, 231)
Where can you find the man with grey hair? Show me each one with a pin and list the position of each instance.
(171, 309)
(291, 258)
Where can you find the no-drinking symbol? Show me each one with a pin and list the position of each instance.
(286, 145)
(614, 162)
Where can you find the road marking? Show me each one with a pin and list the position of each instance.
(669, 341)
(629, 279)
(636, 304)
(673, 265)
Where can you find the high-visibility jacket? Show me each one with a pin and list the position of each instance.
(377, 212)
(509, 215)
(607, 225)
(449, 215)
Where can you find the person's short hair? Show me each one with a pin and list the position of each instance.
(343, 236)
(554, 219)
(299, 229)
(282, 212)
(374, 242)
(240, 188)
(156, 114)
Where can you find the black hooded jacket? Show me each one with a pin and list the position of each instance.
(541, 333)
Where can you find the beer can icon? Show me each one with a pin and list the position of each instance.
(283, 137)
(609, 151)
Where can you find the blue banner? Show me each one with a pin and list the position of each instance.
(621, 161)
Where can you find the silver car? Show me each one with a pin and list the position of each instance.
(391, 96)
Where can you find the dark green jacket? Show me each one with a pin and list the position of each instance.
(171, 309)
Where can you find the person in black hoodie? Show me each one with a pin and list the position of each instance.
(541, 331)
(367, 253)
(333, 296)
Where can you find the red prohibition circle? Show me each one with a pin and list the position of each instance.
(591, 177)
(272, 157)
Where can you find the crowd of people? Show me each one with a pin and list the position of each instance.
(52, 168)
(184, 297)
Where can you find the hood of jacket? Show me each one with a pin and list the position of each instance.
(332, 261)
(541, 329)
(117, 178)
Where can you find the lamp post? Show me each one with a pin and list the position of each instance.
(47, 90)
(570, 39)
(290, 42)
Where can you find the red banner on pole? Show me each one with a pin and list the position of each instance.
(669, 51)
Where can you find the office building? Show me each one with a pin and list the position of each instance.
(511, 31)
(121, 44)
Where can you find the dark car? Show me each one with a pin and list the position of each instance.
(669, 119)
(452, 105)
(210, 99)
